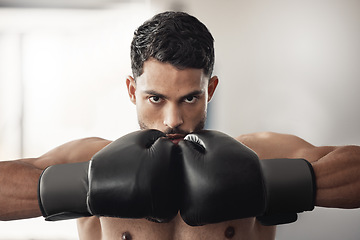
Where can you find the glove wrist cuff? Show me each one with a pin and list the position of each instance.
(290, 185)
(62, 191)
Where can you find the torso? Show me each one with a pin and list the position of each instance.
(136, 229)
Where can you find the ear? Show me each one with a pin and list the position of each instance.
(213, 82)
(131, 87)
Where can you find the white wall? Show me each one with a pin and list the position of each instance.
(288, 66)
(68, 69)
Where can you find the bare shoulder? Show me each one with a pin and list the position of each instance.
(79, 150)
(276, 145)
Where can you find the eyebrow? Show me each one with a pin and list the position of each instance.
(193, 93)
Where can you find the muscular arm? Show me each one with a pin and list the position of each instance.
(338, 178)
(18, 190)
(19, 178)
(336, 168)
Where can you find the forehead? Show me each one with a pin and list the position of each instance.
(165, 77)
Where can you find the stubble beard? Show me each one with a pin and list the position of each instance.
(199, 126)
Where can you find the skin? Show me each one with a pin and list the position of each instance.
(175, 102)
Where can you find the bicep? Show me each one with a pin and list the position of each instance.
(276, 145)
(75, 151)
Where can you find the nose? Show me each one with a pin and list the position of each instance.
(173, 116)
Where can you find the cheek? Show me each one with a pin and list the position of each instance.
(196, 113)
(147, 114)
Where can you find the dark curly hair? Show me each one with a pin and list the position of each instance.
(176, 38)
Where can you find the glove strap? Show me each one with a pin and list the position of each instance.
(290, 188)
(62, 191)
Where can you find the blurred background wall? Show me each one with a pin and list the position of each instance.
(284, 66)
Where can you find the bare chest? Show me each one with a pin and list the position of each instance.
(138, 229)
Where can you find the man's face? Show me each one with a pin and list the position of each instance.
(171, 100)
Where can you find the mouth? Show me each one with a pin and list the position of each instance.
(175, 138)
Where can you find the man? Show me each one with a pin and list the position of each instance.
(172, 60)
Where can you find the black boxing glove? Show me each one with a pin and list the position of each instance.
(225, 180)
(222, 179)
(132, 177)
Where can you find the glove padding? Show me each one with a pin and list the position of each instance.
(222, 179)
(225, 180)
(136, 176)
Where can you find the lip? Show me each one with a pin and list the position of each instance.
(175, 138)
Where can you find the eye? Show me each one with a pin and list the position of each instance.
(155, 99)
(190, 99)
